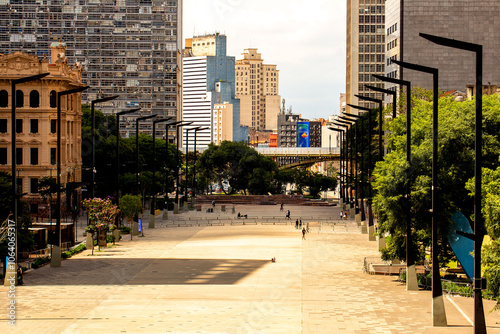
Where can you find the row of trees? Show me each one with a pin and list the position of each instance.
(246, 170)
(250, 172)
(456, 171)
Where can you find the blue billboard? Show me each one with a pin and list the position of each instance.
(302, 134)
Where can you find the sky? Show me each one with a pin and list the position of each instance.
(305, 39)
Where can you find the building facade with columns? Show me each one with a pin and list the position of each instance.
(36, 124)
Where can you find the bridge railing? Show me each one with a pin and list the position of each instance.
(298, 151)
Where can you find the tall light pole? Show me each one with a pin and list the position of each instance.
(92, 131)
(362, 158)
(193, 187)
(411, 274)
(118, 114)
(55, 260)
(387, 91)
(153, 192)
(353, 156)
(371, 230)
(479, 232)
(438, 310)
(137, 171)
(346, 158)
(341, 132)
(177, 174)
(187, 161)
(380, 132)
(15, 195)
(167, 125)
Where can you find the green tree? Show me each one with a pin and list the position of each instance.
(240, 165)
(456, 162)
(490, 256)
(130, 206)
(105, 158)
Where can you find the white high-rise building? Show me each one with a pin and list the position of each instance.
(197, 101)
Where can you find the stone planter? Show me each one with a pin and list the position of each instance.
(88, 241)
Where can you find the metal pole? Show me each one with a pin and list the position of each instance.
(137, 148)
(118, 149)
(411, 275)
(344, 149)
(153, 194)
(479, 319)
(351, 144)
(187, 160)
(92, 130)
(56, 258)
(438, 310)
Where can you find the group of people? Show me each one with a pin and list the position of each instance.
(343, 215)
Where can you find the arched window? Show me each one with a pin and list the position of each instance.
(53, 99)
(4, 98)
(34, 99)
(19, 99)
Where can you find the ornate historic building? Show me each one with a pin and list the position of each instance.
(36, 124)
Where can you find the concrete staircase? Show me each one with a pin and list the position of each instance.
(260, 200)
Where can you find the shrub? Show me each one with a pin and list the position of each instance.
(124, 229)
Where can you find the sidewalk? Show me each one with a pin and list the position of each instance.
(219, 279)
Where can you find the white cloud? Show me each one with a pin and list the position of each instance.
(305, 39)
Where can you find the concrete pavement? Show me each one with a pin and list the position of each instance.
(219, 279)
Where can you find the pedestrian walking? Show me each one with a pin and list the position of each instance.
(303, 233)
(300, 223)
(213, 203)
(281, 207)
(297, 224)
(341, 214)
(287, 214)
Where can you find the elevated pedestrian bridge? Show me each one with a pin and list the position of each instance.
(289, 157)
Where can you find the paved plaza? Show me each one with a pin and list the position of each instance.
(219, 279)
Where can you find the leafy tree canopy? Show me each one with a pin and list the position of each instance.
(456, 166)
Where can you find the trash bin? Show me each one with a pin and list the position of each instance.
(223, 208)
(198, 207)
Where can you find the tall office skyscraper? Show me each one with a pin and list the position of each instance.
(475, 22)
(208, 80)
(257, 87)
(365, 49)
(126, 47)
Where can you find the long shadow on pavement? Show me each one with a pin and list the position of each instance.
(106, 271)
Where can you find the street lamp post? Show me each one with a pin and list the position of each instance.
(177, 174)
(346, 159)
(167, 125)
(15, 195)
(187, 160)
(193, 187)
(153, 192)
(137, 120)
(354, 151)
(92, 133)
(118, 114)
(479, 319)
(380, 132)
(386, 91)
(341, 195)
(438, 310)
(411, 274)
(55, 260)
(371, 228)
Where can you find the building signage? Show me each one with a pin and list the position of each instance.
(302, 134)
